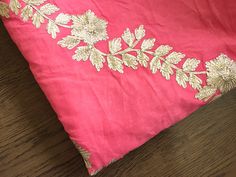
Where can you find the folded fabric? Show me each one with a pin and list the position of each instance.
(118, 72)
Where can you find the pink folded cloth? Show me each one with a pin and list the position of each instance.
(118, 72)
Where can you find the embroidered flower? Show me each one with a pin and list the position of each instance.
(89, 28)
(221, 73)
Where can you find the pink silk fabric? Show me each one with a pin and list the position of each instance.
(108, 113)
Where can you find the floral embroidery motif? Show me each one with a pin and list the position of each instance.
(88, 28)
(221, 73)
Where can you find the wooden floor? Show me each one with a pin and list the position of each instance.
(33, 142)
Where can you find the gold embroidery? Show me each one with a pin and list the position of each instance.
(48, 9)
(4, 10)
(206, 93)
(69, 42)
(14, 6)
(220, 72)
(100, 169)
(26, 13)
(85, 154)
(89, 28)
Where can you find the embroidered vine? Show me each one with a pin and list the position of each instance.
(88, 28)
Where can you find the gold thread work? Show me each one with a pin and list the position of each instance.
(88, 28)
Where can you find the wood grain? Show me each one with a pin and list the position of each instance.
(33, 142)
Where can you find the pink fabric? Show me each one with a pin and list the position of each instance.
(108, 113)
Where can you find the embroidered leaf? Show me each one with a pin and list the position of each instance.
(63, 18)
(4, 10)
(128, 37)
(205, 93)
(37, 20)
(181, 78)
(115, 63)
(140, 32)
(166, 71)
(48, 9)
(34, 2)
(190, 64)
(130, 61)
(97, 59)
(155, 64)
(162, 50)
(26, 13)
(175, 57)
(14, 6)
(115, 45)
(69, 42)
(52, 29)
(195, 81)
(82, 53)
(142, 59)
(147, 44)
